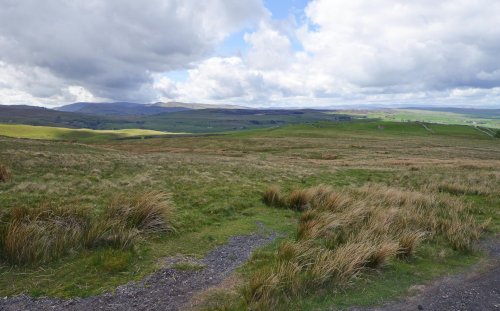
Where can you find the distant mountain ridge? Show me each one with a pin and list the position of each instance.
(136, 109)
(32, 115)
(198, 106)
(118, 109)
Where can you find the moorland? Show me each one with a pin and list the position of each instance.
(364, 207)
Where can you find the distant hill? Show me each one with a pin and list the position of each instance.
(31, 115)
(118, 109)
(196, 105)
(485, 113)
(220, 120)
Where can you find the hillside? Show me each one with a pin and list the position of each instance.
(489, 118)
(222, 120)
(197, 105)
(118, 109)
(32, 115)
(185, 120)
(59, 133)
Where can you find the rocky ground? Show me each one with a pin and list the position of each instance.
(167, 289)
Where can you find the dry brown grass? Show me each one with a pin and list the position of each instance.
(5, 173)
(40, 234)
(299, 199)
(321, 196)
(148, 212)
(36, 235)
(340, 234)
(272, 196)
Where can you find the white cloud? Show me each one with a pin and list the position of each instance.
(269, 48)
(358, 51)
(343, 52)
(424, 44)
(112, 47)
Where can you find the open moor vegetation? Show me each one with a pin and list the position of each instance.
(36, 235)
(406, 203)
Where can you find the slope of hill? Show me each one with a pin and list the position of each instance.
(221, 120)
(118, 109)
(197, 105)
(59, 133)
(32, 115)
(190, 120)
(486, 118)
(478, 113)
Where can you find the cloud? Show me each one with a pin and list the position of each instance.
(423, 44)
(359, 51)
(111, 48)
(336, 52)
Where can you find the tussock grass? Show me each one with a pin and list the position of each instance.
(341, 234)
(40, 234)
(149, 212)
(37, 235)
(299, 199)
(272, 196)
(476, 183)
(5, 173)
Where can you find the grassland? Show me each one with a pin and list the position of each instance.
(482, 118)
(216, 183)
(59, 133)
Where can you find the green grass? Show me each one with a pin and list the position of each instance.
(215, 183)
(393, 281)
(58, 133)
(443, 117)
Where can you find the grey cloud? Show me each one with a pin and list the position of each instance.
(111, 47)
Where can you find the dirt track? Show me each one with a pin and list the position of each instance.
(170, 289)
(167, 289)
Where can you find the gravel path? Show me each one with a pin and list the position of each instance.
(167, 289)
(478, 289)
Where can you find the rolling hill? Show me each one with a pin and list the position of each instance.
(59, 133)
(118, 109)
(32, 115)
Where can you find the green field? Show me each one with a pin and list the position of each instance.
(58, 133)
(483, 119)
(215, 184)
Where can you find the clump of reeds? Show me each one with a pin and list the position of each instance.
(340, 234)
(37, 235)
(272, 196)
(148, 212)
(40, 234)
(5, 173)
(303, 199)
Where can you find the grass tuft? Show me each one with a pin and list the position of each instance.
(37, 235)
(148, 212)
(408, 242)
(5, 173)
(340, 235)
(41, 234)
(272, 196)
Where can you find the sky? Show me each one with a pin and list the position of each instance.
(255, 53)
